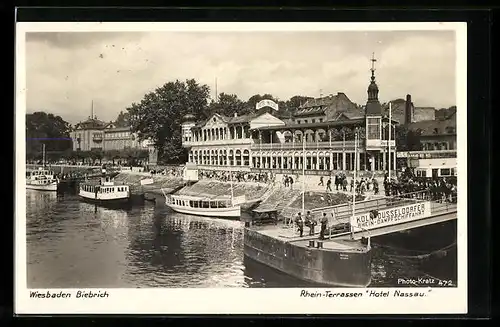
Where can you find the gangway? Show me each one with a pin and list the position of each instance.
(387, 215)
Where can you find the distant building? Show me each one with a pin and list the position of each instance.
(325, 108)
(437, 134)
(405, 112)
(94, 134)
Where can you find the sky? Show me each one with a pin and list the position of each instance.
(66, 71)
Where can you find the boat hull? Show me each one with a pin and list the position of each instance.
(340, 268)
(49, 187)
(230, 213)
(113, 203)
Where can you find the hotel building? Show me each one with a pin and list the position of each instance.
(319, 138)
(94, 134)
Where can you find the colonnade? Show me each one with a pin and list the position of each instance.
(232, 132)
(314, 160)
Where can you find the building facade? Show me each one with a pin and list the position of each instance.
(437, 134)
(319, 139)
(94, 134)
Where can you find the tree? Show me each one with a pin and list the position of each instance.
(123, 119)
(48, 129)
(159, 116)
(228, 104)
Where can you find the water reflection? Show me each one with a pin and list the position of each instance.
(181, 250)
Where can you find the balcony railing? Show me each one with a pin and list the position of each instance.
(309, 145)
(218, 142)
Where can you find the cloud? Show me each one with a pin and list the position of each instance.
(66, 71)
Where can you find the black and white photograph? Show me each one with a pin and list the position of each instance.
(241, 168)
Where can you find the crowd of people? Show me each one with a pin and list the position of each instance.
(169, 171)
(225, 176)
(437, 189)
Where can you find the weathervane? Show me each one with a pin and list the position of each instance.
(373, 60)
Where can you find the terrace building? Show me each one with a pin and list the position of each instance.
(319, 138)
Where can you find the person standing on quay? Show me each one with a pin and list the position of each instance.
(310, 222)
(300, 224)
(324, 223)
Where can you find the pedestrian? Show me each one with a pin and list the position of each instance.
(310, 222)
(321, 181)
(375, 186)
(337, 182)
(324, 223)
(290, 181)
(352, 184)
(329, 185)
(300, 224)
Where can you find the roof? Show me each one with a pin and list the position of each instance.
(118, 129)
(329, 105)
(321, 124)
(91, 123)
(233, 119)
(435, 127)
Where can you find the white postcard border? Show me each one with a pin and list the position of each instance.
(240, 300)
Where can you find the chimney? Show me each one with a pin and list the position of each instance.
(408, 104)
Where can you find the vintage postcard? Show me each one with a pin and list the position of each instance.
(241, 168)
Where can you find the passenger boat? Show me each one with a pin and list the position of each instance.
(203, 206)
(105, 192)
(42, 179)
(222, 207)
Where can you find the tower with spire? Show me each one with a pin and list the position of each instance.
(373, 107)
(373, 120)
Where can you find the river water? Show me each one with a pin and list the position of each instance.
(76, 244)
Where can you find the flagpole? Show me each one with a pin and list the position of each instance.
(303, 172)
(390, 136)
(354, 188)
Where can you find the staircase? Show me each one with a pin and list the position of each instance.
(279, 199)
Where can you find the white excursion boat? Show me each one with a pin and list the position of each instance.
(202, 206)
(105, 192)
(222, 207)
(41, 180)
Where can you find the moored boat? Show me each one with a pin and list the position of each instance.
(41, 179)
(203, 206)
(106, 191)
(218, 207)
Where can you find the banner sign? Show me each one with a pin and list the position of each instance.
(267, 103)
(392, 216)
